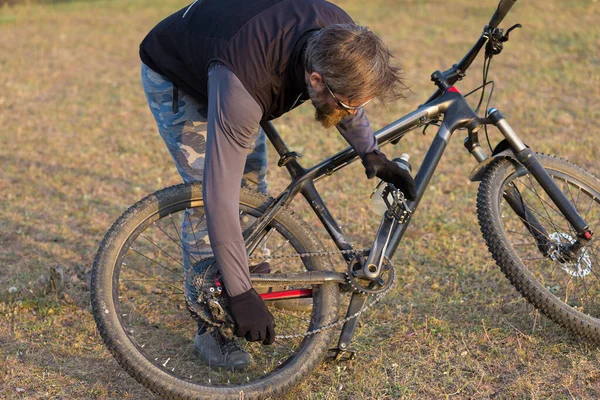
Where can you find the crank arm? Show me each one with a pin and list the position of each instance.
(372, 267)
(357, 302)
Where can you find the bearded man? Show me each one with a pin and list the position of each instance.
(212, 72)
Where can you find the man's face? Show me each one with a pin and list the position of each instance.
(327, 111)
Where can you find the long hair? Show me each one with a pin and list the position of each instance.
(354, 62)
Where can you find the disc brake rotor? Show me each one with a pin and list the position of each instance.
(579, 267)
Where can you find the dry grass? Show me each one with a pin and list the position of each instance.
(78, 145)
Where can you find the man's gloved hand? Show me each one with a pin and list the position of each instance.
(253, 320)
(377, 164)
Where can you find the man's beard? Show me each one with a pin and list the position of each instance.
(325, 113)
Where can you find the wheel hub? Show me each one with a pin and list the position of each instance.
(578, 264)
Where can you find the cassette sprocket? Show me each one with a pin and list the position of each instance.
(205, 297)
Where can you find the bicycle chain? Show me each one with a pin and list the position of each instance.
(313, 254)
(341, 321)
(323, 254)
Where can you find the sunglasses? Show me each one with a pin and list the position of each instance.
(342, 104)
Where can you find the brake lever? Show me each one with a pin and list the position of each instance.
(497, 37)
(504, 38)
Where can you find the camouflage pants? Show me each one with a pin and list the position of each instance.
(185, 134)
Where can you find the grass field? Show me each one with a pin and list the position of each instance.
(78, 145)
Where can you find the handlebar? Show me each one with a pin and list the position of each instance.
(503, 7)
(458, 71)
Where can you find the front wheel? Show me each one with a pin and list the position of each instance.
(138, 299)
(532, 242)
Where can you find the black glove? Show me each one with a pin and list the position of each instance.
(253, 320)
(377, 164)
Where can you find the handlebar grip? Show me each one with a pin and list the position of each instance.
(503, 7)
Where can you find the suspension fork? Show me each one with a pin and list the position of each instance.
(526, 157)
(533, 225)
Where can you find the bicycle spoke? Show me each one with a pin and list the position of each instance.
(159, 248)
(157, 263)
(173, 240)
(280, 247)
(592, 200)
(583, 281)
(527, 234)
(533, 189)
(533, 211)
(548, 220)
(187, 215)
(566, 298)
(143, 273)
(263, 241)
(596, 226)
(529, 225)
(542, 202)
(593, 253)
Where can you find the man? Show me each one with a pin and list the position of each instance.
(217, 68)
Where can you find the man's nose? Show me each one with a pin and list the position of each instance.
(352, 111)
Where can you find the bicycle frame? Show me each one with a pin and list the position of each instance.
(456, 114)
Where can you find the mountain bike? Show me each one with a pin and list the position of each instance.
(535, 213)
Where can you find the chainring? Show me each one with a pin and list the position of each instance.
(364, 285)
(205, 296)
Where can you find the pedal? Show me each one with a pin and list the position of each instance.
(339, 355)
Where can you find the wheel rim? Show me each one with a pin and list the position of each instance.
(573, 278)
(151, 308)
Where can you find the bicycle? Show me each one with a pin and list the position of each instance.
(532, 209)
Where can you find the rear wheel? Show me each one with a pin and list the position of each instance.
(139, 306)
(563, 284)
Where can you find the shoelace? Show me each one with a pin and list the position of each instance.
(226, 345)
(232, 345)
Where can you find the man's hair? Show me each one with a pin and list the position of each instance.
(354, 62)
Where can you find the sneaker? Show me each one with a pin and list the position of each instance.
(218, 351)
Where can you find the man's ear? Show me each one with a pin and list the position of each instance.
(316, 80)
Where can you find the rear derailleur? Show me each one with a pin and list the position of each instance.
(205, 297)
